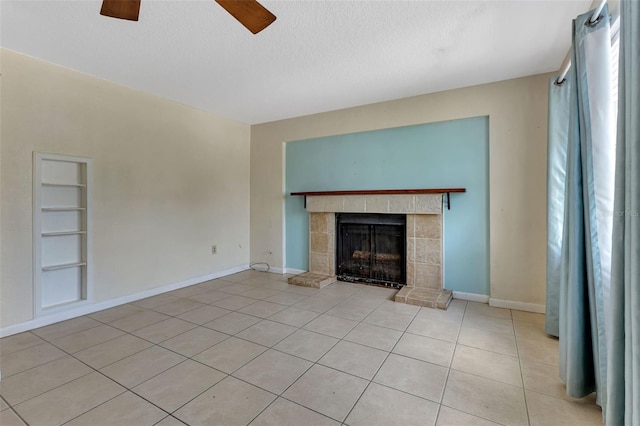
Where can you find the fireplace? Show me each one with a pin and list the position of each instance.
(420, 250)
(371, 248)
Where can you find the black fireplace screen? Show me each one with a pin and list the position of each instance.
(371, 248)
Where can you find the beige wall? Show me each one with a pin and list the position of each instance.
(169, 181)
(517, 111)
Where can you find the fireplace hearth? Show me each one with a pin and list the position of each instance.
(371, 248)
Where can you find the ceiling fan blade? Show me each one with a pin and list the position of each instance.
(121, 9)
(249, 13)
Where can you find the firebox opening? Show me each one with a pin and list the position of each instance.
(371, 248)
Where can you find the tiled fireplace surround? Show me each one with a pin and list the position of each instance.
(425, 272)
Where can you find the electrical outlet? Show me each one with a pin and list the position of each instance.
(214, 249)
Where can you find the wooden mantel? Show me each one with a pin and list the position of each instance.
(382, 191)
(444, 191)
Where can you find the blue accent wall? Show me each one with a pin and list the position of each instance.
(437, 155)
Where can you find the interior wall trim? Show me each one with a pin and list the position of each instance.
(294, 271)
(518, 306)
(283, 271)
(94, 307)
(471, 297)
(499, 303)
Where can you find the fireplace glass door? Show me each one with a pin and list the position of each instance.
(371, 248)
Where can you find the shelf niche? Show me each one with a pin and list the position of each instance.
(62, 232)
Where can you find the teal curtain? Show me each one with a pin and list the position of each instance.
(586, 228)
(558, 138)
(623, 381)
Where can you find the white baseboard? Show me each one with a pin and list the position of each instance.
(94, 307)
(471, 297)
(276, 270)
(518, 306)
(499, 303)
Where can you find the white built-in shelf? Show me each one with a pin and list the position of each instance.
(55, 234)
(62, 232)
(62, 209)
(63, 266)
(65, 185)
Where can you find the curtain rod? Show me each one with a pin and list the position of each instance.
(592, 20)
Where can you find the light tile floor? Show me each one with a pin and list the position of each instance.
(250, 349)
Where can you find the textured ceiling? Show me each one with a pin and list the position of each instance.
(317, 56)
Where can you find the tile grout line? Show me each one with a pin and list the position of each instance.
(78, 378)
(457, 408)
(297, 328)
(524, 393)
(97, 370)
(315, 362)
(158, 344)
(17, 415)
(127, 389)
(249, 361)
(379, 367)
(226, 374)
(455, 348)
